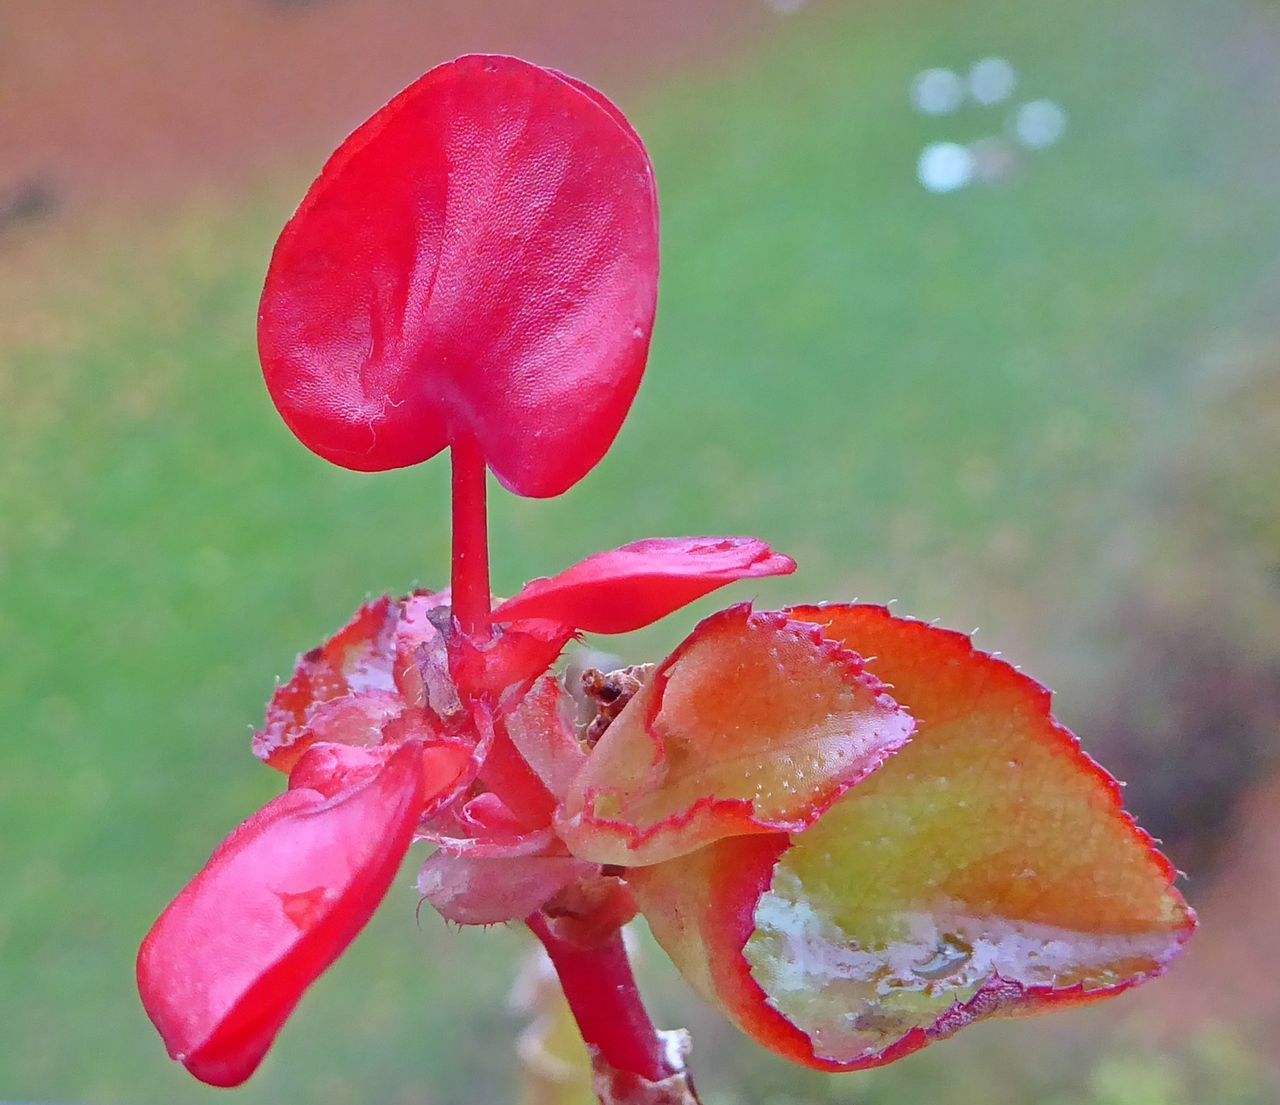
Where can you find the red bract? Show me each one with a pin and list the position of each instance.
(398, 725)
(853, 832)
(478, 260)
(278, 902)
(640, 583)
(357, 660)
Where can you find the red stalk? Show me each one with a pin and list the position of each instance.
(471, 597)
(602, 994)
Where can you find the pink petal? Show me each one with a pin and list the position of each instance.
(631, 587)
(542, 730)
(485, 827)
(277, 903)
(480, 258)
(471, 891)
(487, 813)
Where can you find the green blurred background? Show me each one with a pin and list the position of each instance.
(1046, 404)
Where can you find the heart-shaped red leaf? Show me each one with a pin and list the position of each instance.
(478, 260)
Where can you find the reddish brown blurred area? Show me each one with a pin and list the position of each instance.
(1220, 980)
(110, 100)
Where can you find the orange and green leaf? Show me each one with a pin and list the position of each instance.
(754, 724)
(987, 869)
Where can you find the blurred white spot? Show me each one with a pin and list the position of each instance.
(992, 80)
(945, 166)
(936, 91)
(1039, 124)
(786, 7)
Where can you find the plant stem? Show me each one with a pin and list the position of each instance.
(605, 1002)
(471, 596)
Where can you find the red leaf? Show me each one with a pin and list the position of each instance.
(357, 660)
(277, 903)
(631, 587)
(508, 773)
(382, 679)
(987, 869)
(479, 259)
(333, 769)
(504, 665)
